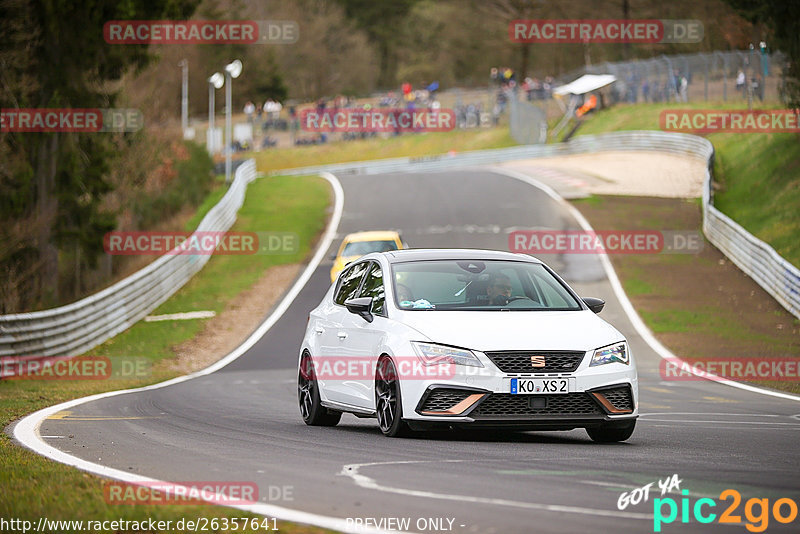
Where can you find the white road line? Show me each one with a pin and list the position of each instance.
(712, 413)
(682, 421)
(26, 431)
(352, 471)
(630, 311)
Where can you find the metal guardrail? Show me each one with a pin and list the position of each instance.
(759, 260)
(634, 140)
(82, 325)
(772, 272)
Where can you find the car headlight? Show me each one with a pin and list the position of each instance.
(618, 352)
(431, 354)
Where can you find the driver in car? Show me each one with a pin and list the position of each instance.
(499, 289)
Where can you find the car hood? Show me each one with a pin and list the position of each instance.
(514, 330)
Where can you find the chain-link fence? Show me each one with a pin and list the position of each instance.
(726, 76)
(751, 75)
(528, 122)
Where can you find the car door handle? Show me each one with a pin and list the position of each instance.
(319, 330)
(342, 335)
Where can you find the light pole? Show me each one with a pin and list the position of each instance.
(214, 82)
(184, 65)
(749, 83)
(232, 70)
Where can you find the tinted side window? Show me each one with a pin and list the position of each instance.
(373, 287)
(349, 283)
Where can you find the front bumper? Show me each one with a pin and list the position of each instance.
(482, 397)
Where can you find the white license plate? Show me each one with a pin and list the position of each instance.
(538, 386)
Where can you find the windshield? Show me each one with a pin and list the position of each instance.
(479, 285)
(360, 248)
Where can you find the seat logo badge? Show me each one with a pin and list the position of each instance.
(537, 361)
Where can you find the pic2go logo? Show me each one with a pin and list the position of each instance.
(783, 511)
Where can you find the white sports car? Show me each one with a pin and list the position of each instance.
(449, 338)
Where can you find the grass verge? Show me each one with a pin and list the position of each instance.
(35, 487)
(412, 145)
(758, 173)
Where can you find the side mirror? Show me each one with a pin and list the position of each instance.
(332, 257)
(361, 306)
(596, 305)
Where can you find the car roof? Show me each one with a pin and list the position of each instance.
(422, 254)
(374, 235)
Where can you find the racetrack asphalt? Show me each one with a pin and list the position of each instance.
(242, 423)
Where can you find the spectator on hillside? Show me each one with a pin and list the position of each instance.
(547, 86)
(740, 81)
(276, 110)
(758, 87)
(249, 109)
(272, 109)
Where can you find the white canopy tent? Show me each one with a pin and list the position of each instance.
(585, 84)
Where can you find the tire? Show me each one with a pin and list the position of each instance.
(311, 408)
(611, 433)
(388, 402)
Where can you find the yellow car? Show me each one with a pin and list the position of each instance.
(356, 245)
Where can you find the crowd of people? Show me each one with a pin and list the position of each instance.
(503, 80)
(270, 116)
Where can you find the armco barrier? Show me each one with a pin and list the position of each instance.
(756, 258)
(78, 327)
(636, 140)
(777, 276)
(82, 325)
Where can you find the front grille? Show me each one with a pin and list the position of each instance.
(505, 404)
(620, 397)
(442, 399)
(520, 361)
